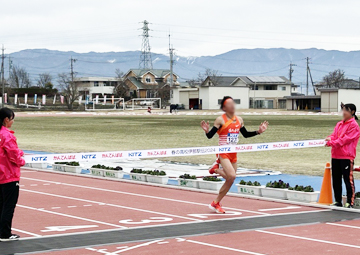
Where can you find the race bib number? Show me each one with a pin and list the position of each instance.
(232, 138)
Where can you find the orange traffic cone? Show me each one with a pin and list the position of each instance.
(326, 196)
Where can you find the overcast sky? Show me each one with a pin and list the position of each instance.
(198, 27)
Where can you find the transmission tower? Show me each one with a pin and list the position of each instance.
(145, 57)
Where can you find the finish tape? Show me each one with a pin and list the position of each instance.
(176, 152)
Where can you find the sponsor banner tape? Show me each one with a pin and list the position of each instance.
(176, 152)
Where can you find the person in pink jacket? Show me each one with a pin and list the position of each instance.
(10, 162)
(343, 142)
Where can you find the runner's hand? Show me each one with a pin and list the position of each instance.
(263, 127)
(327, 139)
(205, 126)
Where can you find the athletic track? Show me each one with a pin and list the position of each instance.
(66, 214)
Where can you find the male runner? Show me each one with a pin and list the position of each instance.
(228, 126)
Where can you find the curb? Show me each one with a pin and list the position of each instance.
(231, 194)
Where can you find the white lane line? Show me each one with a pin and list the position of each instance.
(113, 205)
(71, 216)
(87, 205)
(26, 232)
(136, 246)
(342, 225)
(141, 195)
(33, 185)
(224, 247)
(122, 249)
(309, 239)
(55, 207)
(46, 184)
(279, 209)
(72, 206)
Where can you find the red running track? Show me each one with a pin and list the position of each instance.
(53, 204)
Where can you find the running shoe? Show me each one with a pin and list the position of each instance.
(337, 204)
(13, 237)
(216, 207)
(347, 205)
(214, 167)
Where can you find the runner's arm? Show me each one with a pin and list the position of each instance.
(215, 128)
(248, 134)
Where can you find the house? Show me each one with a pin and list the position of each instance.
(248, 91)
(331, 98)
(93, 86)
(146, 83)
(214, 88)
(185, 95)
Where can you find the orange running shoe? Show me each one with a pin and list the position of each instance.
(214, 167)
(216, 207)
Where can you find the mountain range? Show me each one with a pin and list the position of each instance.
(263, 62)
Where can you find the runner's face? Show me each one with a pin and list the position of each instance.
(229, 106)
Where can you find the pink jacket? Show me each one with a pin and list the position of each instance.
(10, 157)
(344, 140)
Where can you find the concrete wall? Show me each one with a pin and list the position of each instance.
(211, 95)
(329, 101)
(279, 93)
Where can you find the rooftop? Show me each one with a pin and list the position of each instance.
(157, 72)
(96, 79)
(225, 81)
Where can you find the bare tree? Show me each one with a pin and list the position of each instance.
(334, 79)
(68, 89)
(44, 80)
(121, 89)
(213, 74)
(19, 77)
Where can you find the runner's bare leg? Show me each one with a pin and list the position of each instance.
(229, 174)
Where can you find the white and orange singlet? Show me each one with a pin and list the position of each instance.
(229, 135)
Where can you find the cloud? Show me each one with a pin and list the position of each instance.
(197, 27)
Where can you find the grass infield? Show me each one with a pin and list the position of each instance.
(108, 133)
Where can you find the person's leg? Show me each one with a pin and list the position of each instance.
(10, 198)
(229, 174)
(337, 179)
(347, 171)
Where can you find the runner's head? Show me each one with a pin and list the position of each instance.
(227, 104)
(6, 117)
(348, 111)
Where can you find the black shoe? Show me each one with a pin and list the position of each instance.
(337, 204)
(13, 237)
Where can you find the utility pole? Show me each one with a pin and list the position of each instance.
(171, 53)
(291, 70)
(145, 57)
(2, 76)
(307, 75)
(10, 66)
(72, 61)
